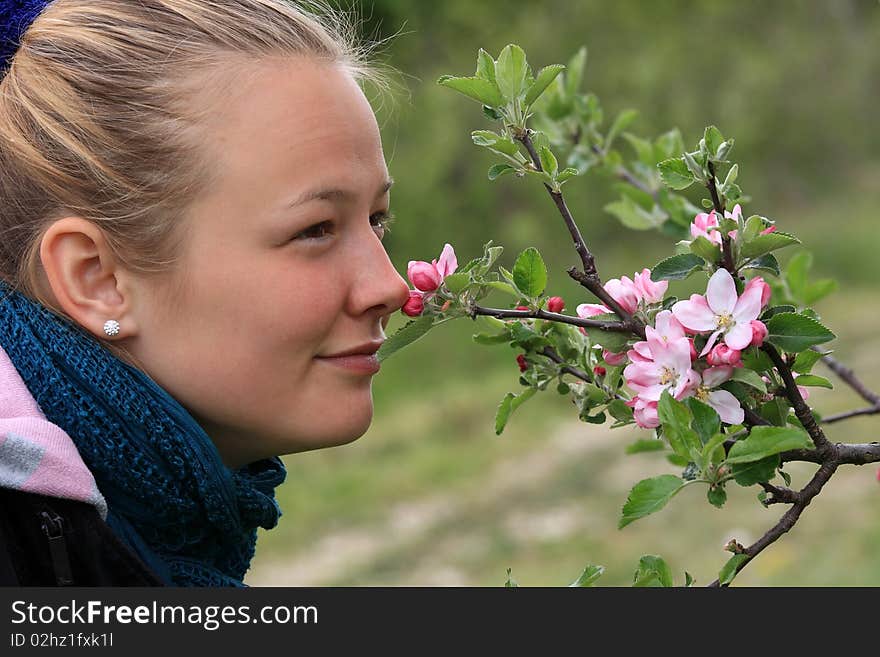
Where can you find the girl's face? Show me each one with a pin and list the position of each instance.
(283, 262)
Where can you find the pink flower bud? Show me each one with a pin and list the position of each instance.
(599, 370)
(555, 304)
(721, 354)
(624, 292)
(650, 291)
(644, 413)
(693, 349)
(613, 358)
(759, 333)
(582, 330)
(445, 306)
(767, 231)
(423, 275)
(522, 308)
(522, 362)
(757, 281)
(414, 305)
(805, 393)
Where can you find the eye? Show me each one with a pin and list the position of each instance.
(315, 232)
(382, 221)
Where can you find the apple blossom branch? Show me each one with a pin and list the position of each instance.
(502, 313)
(727, 258)
(589, 277)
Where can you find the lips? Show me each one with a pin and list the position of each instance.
(365, 349)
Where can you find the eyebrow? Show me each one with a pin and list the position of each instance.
(334, 194)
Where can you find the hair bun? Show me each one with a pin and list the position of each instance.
(15, 17)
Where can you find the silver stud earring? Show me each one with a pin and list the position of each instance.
(111, 327)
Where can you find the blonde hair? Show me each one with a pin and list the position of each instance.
(103, 110)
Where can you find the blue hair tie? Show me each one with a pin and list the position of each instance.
(15, 17)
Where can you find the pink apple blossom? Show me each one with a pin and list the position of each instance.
(555, 304)
(414, 305)
(759, 333)
(623, 291)
(649, 291)
(427, 276)
(721, 311)
(759, 283)
(587, 310)
(721, 354)
(725, 404)
(644, 413)
(705, 225)
(613, 358)
(668, 368)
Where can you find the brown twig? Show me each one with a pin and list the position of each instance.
(502, 313)
(870, 410)
(849, 377)
(780, 495)
(726, 250)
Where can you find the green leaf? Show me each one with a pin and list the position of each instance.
(749, 474)
(730, 569)
(498, 170)
(567, 173)
(485, 66)
(792, 332)
(634, 216)
(764, 441)
(574, 74)
(621, 123)
(668, 144)
(714, 139)
(750, 378)
(478, 89)
(614, 341)
(805, 361)
(766, 262)
(707, 250)
(706, 421)
(407, 334)
(623, 413)
(511, 71)
(677, 267)
(754, 225)
(508, 405)
(548, 161)
(510, 583)
(717, 496)
(643, 148)
(530, 273)
(775, 310)
(495, 142)
(504, 287)
(775, 411)
(455, 283)
(645, 445)
(589, 576)
(652, 571)
(711, 452)
(796, 273)
(675, 173)
(488, 339)
(648, 496)
(765, 243)
(819, 289)
(814, 381)
(545, 76)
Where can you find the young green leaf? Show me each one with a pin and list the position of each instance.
(404, 336)
(545, 76)
(678, 267)
(645, 445)
(764, 441)
(716, 495)
(705, 249)
(508, 405)
(714, 139)
(675, 173)
(652, 571)
(511, 71)
(548, 161)
(457, 282)
(621, 123)
(575, 72)
(485, 66)
(706, 421)
(765, 243)
(731, 568)
(749, 474)
(478, 89)
(814, 381)
(634, 216)
(766, 262)
(750, 378)
(498, 170)
(530, 273)
(649, 496)
(792, 332)
(805, 361)
(589, 576)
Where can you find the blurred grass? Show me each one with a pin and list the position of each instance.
(430, 495)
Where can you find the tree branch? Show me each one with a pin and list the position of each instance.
(589, 278)
(801, 410)
(501, 313)
(574, 371)
(780, 495)
(726, 250)
(870, 410)
(849, 376)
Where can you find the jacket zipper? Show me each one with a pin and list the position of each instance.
(53, 528)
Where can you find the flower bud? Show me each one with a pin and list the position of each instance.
(613, 358)
(522, 308)
(721, 354)
(414, 305)
(555, 304)
(423, 275)
(693, 349)
(757, 281)
(759, 333)
(445, 306)
(522, 362)
(599, 370)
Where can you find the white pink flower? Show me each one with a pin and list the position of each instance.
(644, 413)
(721, 311)
(427, 276)
(725, 404)
(759, 283)
(647, 290)
(660, 365)
(721, 354)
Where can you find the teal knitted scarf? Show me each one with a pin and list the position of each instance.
(190, 518)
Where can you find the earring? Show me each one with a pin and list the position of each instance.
(111, 327)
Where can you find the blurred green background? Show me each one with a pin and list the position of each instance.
(430, 495)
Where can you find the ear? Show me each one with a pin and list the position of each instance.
(85, 277)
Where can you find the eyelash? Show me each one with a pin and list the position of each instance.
(385, 220)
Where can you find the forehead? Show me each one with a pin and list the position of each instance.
(295, 122)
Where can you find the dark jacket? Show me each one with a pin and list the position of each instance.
(46, 541)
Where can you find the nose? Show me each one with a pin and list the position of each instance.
(377, 287)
